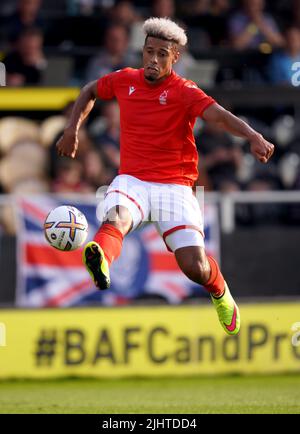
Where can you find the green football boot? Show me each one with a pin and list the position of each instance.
(228, 312)
(96, 264)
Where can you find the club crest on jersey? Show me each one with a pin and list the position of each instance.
(163, 97)
(131, 90)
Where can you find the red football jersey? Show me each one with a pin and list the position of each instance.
(157, 142)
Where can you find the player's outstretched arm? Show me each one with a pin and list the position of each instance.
(222, 118)
(68, 143)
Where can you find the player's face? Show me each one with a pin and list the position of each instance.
(158, 59)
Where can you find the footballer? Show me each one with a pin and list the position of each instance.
(158, 110)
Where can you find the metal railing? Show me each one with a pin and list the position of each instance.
(227, 202)
(230, 200)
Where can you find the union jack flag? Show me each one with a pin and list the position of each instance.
(48, 277)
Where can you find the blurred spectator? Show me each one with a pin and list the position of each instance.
(7, 7)
(108, 141)
(217, 21)
(124, 13)
(26, 16)
(195, 15)
(219, 7)
(26, 63)
(192, 8)
(88, 7)
(293, 13)
(95, 172)
(288, 170)
(113, 56)
(263, 213)
(251, 26)
(80, 7)
(69, 177)
(296, 12)
(280, 70)
(164, 8)
(263, 182)
(229, 185)
(85, 144)
(220, 156)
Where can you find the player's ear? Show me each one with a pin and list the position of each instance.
(176, 53)
(176, 56)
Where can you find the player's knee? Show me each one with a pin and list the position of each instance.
(119, 217)
(196, 270)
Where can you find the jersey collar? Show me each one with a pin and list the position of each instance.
(155, 86)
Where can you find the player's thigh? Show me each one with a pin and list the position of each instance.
(182, 226)
(120, 217)
(126, 199)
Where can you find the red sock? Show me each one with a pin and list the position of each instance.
(110, 239)
(215, 284)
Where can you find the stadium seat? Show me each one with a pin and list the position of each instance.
(50, 128)
(203, 72)
(26, 160)
(14, 130)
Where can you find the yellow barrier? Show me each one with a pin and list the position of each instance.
(156, 341)
(36, 98)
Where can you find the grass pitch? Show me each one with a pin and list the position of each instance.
(255, 394)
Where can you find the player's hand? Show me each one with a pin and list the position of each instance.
(67, 145)
(261, 148)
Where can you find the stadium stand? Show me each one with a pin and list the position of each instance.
(63, 56)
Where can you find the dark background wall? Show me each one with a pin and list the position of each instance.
(262, 261)
(7, 268)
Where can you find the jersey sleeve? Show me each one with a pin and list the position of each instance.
(105, 86)
(196, 100)
(108, 85)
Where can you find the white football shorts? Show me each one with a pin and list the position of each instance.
(173, 208)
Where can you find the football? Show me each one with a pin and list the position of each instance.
(66, 228)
